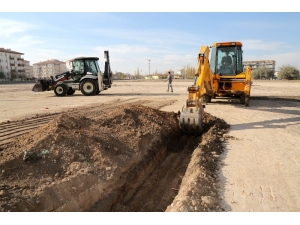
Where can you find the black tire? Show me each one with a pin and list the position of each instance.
(97, 88)
(247, 99)
(242, 99)
(207, 98)
(70, 91)
(61, 89)
(88, 87)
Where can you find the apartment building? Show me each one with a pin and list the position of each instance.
(28, 69)
(255, 64)
(48, 68)
(11, 63)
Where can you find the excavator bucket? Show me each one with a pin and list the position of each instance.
(190, 120)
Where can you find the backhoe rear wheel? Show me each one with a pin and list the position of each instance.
(88, 87)
(61, 89)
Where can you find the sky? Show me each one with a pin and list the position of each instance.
(169, 35)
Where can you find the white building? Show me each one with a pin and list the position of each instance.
(11, 63)
(49, 68)
(28, 69)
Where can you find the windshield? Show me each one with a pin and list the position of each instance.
(90, 66)
(97, 65)
(87, 66)
(239, 60)
(78, 67)
(228, 60)
(225, 61)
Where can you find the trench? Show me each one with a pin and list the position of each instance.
(152, 184)
(148, 183)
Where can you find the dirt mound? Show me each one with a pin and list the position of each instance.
(78, 163)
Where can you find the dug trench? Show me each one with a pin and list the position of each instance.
(132, 158)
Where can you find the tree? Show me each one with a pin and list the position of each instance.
(2, 76)
(137, 74)
(120, 75)
(288, 72)
(13, 74)
(262, 72)
(22, 76)
(189, 72)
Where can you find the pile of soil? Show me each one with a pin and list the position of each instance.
(106, 163)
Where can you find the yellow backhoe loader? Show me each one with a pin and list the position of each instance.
(222, 76)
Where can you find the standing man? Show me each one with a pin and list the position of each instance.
(169, 79)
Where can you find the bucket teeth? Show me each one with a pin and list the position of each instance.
(190, 120)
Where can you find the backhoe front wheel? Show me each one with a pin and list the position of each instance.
(89, 87)
(61, 89)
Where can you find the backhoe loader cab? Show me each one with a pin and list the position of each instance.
(226, 60)
(84, 66)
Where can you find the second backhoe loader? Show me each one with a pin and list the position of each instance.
(84, 75)
(221, 76)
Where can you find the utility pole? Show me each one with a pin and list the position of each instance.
(149, 68)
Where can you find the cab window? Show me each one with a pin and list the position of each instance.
(90, 66)
(78, 67)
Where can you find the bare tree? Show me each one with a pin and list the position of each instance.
(2, 76)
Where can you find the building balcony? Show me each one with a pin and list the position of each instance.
(12, 64)
(20, 59)
(12, 58)
(21, 71)
(21, 64)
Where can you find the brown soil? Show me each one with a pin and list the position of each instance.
(132, 158)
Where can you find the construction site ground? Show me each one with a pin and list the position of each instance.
(122, 150)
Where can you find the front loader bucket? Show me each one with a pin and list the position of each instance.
(38, 87)
(42, 85)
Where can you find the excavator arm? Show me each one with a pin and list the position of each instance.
(191, 115)
(204, 74)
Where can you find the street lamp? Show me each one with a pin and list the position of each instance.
(149, 68)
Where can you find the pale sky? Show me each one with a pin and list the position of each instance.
(170, 35)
